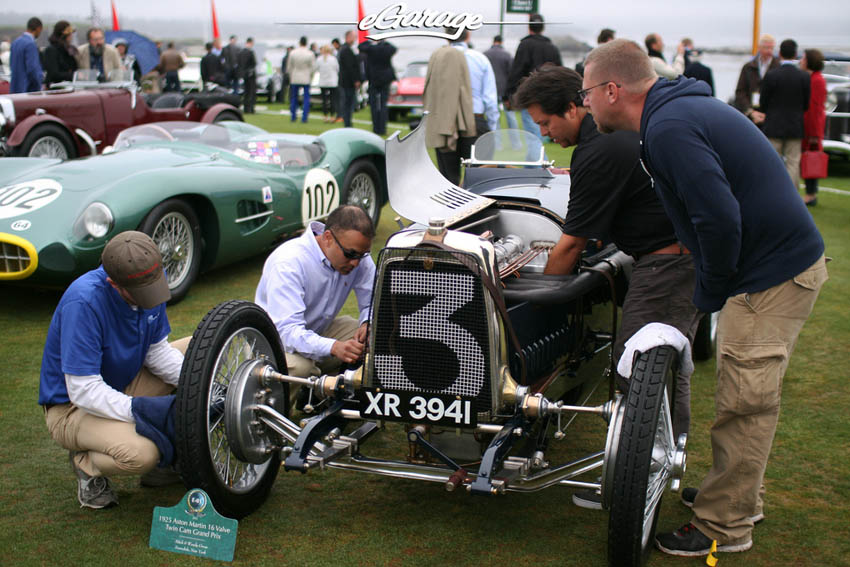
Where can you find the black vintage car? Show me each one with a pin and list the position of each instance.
(472, 349)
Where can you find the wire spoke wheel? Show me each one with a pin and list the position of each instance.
(49, 147)
(173, 236)
(362, 187)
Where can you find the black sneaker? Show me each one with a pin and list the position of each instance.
(689, 494)
(688, 541)
(92, 491)
(590, 499)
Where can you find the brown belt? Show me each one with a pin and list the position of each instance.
(677, 249)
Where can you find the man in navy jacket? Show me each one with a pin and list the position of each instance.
(25, 62)
(758, 256)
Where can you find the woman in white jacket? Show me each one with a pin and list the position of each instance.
(328, 68)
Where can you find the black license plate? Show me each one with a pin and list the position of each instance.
(417, 407)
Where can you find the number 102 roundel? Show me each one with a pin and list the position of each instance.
(417, 407)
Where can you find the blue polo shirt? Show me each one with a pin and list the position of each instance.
(94, 331)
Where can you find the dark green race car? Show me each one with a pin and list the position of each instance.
(208, 194)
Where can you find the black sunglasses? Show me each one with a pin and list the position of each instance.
(348, 252)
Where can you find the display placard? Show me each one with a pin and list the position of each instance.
(194, 527)
(521, 7)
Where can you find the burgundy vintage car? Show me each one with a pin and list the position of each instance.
(406, 93)
(78, 120)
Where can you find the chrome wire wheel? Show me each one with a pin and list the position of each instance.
(244, 345)
(363, 192)
(173, 237)
(48, 147)
(660, 467)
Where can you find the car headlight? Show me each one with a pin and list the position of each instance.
(95, 222)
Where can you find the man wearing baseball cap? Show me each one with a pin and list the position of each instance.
(107, 348)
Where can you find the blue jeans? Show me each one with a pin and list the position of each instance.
(347, 100)
(293, 102)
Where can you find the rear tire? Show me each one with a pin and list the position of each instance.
(47, 141)
(230, 334)
(644, 454)
(226, 115)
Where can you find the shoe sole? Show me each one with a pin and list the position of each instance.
(587, 504)
(701, 552)
(755, 518)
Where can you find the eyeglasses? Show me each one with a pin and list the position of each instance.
(348, 252)
(583, 92)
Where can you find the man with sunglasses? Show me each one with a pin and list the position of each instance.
(305, 283)
(611, 198)
(759, 261)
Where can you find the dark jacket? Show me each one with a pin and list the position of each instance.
(212, 69)
(247, 62)
(59, 63)
(784, 99)
(726, 191)
(749, 82)
(349, 67)
(534, 50)
(379, 67)
(700, 72)
(230, 54)
(501, 62)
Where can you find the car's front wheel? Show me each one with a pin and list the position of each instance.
(362, 187)
(175, 229)
(47, 141)
(230, 335)
(645, 458)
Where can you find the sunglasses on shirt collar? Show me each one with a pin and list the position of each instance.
(348, 252)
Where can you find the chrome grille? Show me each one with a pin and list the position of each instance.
(430, 325)
(13, 258)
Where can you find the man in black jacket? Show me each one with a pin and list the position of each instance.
(534, 50)
(349, 78)
(230, 53)
(784, 99)
(248, 70)
(380, 73)
(212, 69)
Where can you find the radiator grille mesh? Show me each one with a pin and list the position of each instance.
(430, 326)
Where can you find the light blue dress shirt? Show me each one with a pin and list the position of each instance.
(483, 82)
(303, 293)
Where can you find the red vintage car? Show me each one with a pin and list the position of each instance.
(77, 120)
(406, 93)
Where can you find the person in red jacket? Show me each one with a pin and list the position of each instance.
(814, 119)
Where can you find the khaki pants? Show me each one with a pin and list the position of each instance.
(790, 149)
(756, 334)
(108, 447)
(341, 329)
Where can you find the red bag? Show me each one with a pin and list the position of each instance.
(813, 164)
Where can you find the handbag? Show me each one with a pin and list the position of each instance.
(813, 164)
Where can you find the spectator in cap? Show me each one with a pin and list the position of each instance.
(108, 371)
(128, 60)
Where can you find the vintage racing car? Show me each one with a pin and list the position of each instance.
(406, 93)
(208, 194)
(477, 355)
(84, 117)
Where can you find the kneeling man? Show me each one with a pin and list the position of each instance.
(107, 346)
(305, 283)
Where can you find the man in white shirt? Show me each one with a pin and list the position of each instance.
(305, 283)
(106, 355)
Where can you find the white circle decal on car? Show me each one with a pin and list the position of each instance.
(320, 195)
(23, 198)
(21, 225)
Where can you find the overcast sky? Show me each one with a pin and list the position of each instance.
(709, 22)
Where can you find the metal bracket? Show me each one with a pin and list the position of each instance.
(494, 455)
(316, 428)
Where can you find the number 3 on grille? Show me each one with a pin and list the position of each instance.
(449, 292)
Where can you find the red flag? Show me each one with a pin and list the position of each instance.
(214, 21)
(115, 26)
(361, 13)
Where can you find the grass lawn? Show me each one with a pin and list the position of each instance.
(340, 518)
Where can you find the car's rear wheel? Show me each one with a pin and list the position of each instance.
(362, 187)
(645, 458)
(227, 115)
(175, 229)
(231, 334)
(47, 141)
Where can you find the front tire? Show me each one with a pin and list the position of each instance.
(644, 458)
(230, 334)
(47, 141)
(362, 187)
(175, 229)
